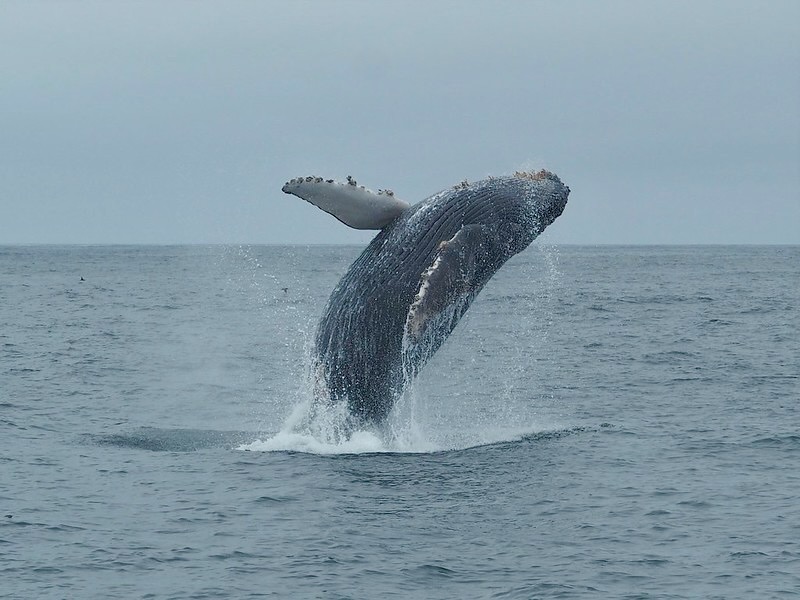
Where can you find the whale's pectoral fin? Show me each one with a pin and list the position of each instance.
(456, 272)
(352, 204)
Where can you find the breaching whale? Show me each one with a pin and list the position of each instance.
(408, 289)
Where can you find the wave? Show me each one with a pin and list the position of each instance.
(172, 440)
(156, 439)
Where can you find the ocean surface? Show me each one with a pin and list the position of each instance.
(606, 422)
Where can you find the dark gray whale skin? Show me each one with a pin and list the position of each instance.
(408, 289)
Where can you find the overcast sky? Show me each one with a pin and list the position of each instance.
(178, 122)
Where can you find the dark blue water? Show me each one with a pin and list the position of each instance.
(606, 422)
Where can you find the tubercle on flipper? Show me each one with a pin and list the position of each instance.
(349, 181)
(354, 183)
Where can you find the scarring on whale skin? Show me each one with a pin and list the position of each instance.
(408, 289)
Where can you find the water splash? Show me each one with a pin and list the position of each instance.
(411, 440)
(327, 428)
(360, 442)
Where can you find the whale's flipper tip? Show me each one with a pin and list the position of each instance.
(354, 205)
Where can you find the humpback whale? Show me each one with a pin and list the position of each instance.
(405, 293)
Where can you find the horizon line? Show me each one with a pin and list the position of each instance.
(350, 244)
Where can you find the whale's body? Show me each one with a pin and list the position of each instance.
(408, 289)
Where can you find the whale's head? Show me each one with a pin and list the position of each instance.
(517, 208)
(544, 196)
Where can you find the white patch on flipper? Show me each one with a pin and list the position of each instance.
(453, 274)
(417, 316)
(354, 205)
(453, 286)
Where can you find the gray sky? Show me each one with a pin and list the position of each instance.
(178, 122)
